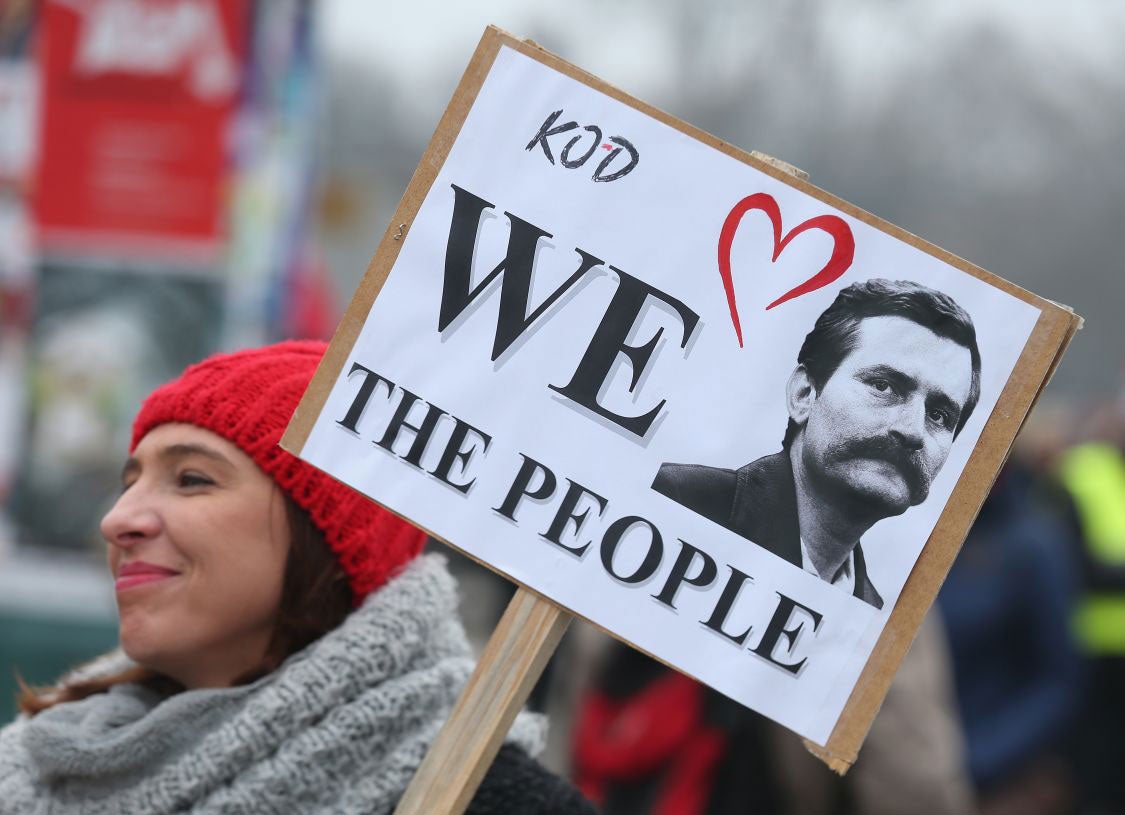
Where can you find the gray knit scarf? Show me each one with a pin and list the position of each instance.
(339, 728)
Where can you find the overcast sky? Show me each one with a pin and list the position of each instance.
(992, 128)
(626, 42)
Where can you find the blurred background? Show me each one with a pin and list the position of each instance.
(179, 177)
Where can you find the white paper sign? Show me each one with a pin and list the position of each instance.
(558, 327)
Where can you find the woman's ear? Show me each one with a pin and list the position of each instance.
(799, 395)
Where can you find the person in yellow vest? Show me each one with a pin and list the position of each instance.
(1094, 476)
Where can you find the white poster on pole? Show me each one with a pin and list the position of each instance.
(712, 410)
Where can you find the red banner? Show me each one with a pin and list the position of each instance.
(138, 97)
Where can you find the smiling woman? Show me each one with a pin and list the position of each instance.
(283, 647)
(186, 605)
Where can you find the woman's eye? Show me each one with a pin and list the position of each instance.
(191, 479)
(881, 385)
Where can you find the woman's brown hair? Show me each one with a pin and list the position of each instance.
(315, 598)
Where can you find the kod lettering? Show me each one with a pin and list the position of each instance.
(620, 159)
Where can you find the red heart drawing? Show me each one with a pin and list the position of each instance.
(842, 252)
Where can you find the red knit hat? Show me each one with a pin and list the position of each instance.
(248, 398)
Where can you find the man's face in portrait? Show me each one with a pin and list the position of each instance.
(879, 429)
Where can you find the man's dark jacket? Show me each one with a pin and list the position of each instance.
(758, 501)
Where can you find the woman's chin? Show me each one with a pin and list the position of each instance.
(136, 653)
(140, 643)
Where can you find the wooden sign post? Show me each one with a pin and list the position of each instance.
(509, 667)
(586, 317)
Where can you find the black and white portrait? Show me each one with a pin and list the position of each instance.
(882, 386)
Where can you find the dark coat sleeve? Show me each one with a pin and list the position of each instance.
(517, 783)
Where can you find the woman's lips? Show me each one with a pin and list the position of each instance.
(137, 574)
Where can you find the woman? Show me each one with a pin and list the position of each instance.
(283, 646)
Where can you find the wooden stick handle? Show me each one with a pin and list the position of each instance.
(512, 661)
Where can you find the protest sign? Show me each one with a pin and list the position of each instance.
(584, 354)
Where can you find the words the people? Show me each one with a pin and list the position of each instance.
(576, 518)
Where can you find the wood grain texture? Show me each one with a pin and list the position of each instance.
(513, 660)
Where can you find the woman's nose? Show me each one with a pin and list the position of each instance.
(131, 520)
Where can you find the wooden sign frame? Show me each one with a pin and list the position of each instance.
(1052, 333)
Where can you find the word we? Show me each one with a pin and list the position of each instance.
(611, 339)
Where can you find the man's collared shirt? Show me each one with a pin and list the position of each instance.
(845, 575)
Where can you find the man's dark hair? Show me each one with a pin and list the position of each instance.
(833, 336)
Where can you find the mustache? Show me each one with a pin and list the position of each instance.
(906, 461)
